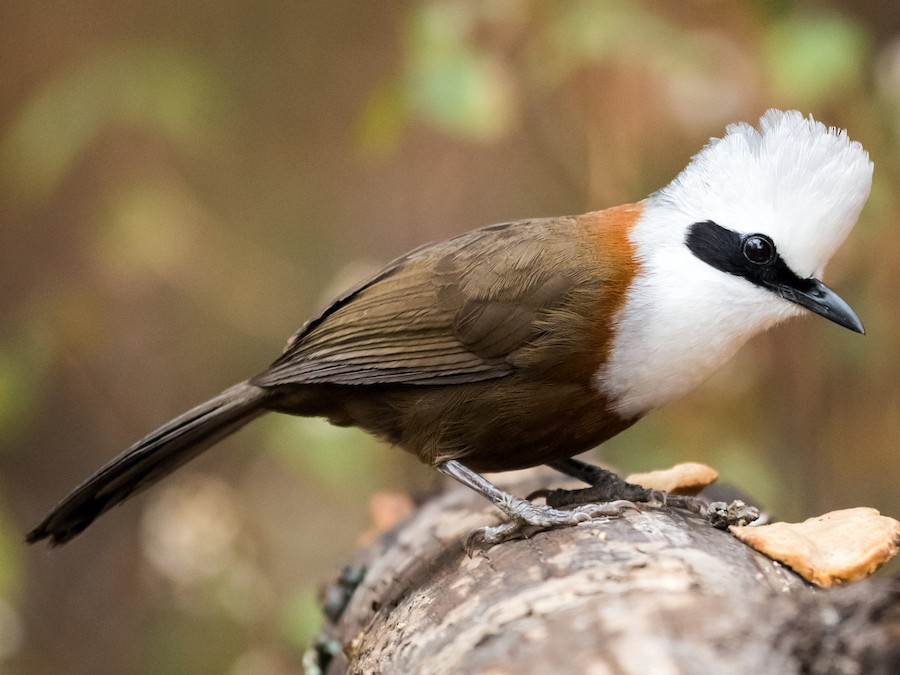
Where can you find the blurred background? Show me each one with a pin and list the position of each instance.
(182, 184)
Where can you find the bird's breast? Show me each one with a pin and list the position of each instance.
(678, 321)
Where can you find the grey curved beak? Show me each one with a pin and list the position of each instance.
(817, 297)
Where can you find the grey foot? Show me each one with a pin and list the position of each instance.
(722, 515)
(527, 519)
(692, 504)
(606, 486)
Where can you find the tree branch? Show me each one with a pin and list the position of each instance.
(656, 591)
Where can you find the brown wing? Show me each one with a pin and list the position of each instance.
(453, 312)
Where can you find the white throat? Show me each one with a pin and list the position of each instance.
(681, 319)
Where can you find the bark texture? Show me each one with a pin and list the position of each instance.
(656, 591)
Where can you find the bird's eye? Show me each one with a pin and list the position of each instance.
(758, 249)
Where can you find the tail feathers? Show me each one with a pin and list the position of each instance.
(151, 459)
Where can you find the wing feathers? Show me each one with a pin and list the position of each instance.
(447, 313)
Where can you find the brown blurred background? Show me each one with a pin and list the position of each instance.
(183, 183)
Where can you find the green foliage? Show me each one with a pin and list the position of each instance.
(168, 92)
(384, 118)
(301, 619)
(455, 79)
(812, 58)
(25, 359)
(452, 82)
(583, 32)
(326, 454)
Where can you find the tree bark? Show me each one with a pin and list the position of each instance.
(655, 591)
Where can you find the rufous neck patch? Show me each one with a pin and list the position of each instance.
(607, 235)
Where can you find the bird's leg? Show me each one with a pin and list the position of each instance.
(525, 517)
(606, 486)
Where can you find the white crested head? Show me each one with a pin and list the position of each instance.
(793, 179)
(731, 247)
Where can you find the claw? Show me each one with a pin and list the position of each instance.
(606, 509)
(526, 518)
(484, 538)
(526, 521)
(721, 515)
(685, 502)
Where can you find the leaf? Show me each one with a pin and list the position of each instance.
(811, 58)
(451, 81)
(172, 93)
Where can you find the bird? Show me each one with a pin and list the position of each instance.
(527, 343)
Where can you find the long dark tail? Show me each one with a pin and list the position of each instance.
(151, 459)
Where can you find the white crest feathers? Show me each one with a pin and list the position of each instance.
(792, 178)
